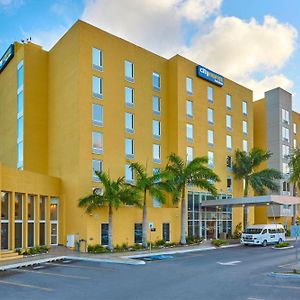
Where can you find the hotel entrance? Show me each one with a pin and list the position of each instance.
(54, 208)
(4, 226)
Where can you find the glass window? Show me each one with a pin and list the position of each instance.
(20, 75)
(295, 128)
(229, 184)
(189, 85)
(285, 116)
(285, 151)
(189, 132)
(156, 104)
(229, 142)
(228, 122)
(129, 148)
(285, 134)
(4, 205)
(245, 108)
(97, 114)
(20, 123)
(189, 154)
(245, 127)
(156, 80)
(285, 168)
(228, 101)
(96, 166)
(43, 200)
(129, 122)
(129, 71)
(20, 155)
(18, 206)
(97, 59)
(156, 153)
(156, 128)
(166, 232)
(229, 162)
(97, 87)
(245, 145)
(189, 108)
(210, 135)
(129, 96)
(210, 115)
(97, 142)
(54, 209)
(210, 156)
(30, 207)
(210, 94)
(128, 174)
(138, 233)
(20, 104)
(104, 234)
(42, 234)
(156, 203)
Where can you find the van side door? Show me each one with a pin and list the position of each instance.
(273, 235)
(265, 235)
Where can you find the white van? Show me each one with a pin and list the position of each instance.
(263, 234)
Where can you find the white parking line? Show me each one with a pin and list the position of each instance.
(279, 286)
(229, 263)
(26, 285)
(55, 274)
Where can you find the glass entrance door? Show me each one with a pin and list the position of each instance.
(54, 238)
(53, 233)
(4, 221)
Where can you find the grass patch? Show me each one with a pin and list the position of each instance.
(218, 243)
(282, 245)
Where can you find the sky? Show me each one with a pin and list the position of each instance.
(253, 42)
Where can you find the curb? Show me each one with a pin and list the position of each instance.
(107, 260)
(284, 275)
(283, 248)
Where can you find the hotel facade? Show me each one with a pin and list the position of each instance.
(97, 102)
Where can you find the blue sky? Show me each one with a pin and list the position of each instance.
(254, 42)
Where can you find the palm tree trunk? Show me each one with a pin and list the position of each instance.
(245, 208)
(110, 234)
(144, 236)
(183, 218)
(294, 219)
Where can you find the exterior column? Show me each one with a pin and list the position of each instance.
(37, 221)
(47, 225)
(25, 222)
(12, 221)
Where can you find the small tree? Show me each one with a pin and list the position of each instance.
(115, 193)
(188, 173)
(151, 185)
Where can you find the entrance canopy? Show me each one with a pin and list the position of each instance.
(253, 201)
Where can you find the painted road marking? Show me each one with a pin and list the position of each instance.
(66, 261)
(82, 267)
(38, 267)
(26, 285)
(54, 274)
(279, 286)
(229, 263)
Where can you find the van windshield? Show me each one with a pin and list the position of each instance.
(252, 231)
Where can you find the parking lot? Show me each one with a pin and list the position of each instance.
(233, 273)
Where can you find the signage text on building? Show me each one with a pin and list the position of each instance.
(210, 76)
(7, 56)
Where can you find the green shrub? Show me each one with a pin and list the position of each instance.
(282, 245)
(238, 231)
(218, 243)
(97, 249)
(193, 240)
(136, 247)
(159, 243)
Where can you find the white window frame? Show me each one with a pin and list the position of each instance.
(97, 150)
(156, 149)
(245, 108)
(228, 122)
(129, 152)
(228, 101)
(129, 64)
(190, 132)
(94, 176)
(245, 127)
(229, 142)
(189, 154)
(98, 123)
(189, 85)
(99, 66)
(156, 98)
(131, 121)
(210, 99)
(211, 159)
(129, 102)
(156, 75)
(210, 115)
(97, 93)
(156, 124)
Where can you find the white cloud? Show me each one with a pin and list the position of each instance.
(8, 4)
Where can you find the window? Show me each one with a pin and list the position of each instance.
(129, 122)
(97, 115)
(156, 129)
(129, 96)
(128, 174)
(30, 218)
(210, 135)
(43, 200)
(189, 132)
(229, 142)
(285, 186)
(156, 81)
(97, 142)
(156, 153)
(156, 105)
(295, 144)
(285, 168)
(285, 116)
(104, 234)
(229, 184)
(20, 75)
(295, 128)
(129, 148)
(166, 232)
(20, 109)
(228, 122)
(97, 59)
(189, 108)
(138, 233)
(189, 154)
(18, 220)
(245, 127)
(285, 151)
(20, 103)
(245, 145)
(210, 157)
(129, 71)
(156, 203)
(20, 155)
(97, 87)
(189, 86)
(228, 101)
(96, 166)
(229, 162)
(245, 108)
(210, 115)
(285, 134)
(210, 94)
(20, 123)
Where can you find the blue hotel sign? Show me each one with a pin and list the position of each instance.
(7, 56)
(209, 75)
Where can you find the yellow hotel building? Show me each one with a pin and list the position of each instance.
(97, 102)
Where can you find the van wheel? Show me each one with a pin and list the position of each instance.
(264, 244)
(280, 241)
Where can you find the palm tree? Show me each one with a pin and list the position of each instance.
(245, 167)
(184, 173)
(151, 185)
(115, 193)
(294, 165)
